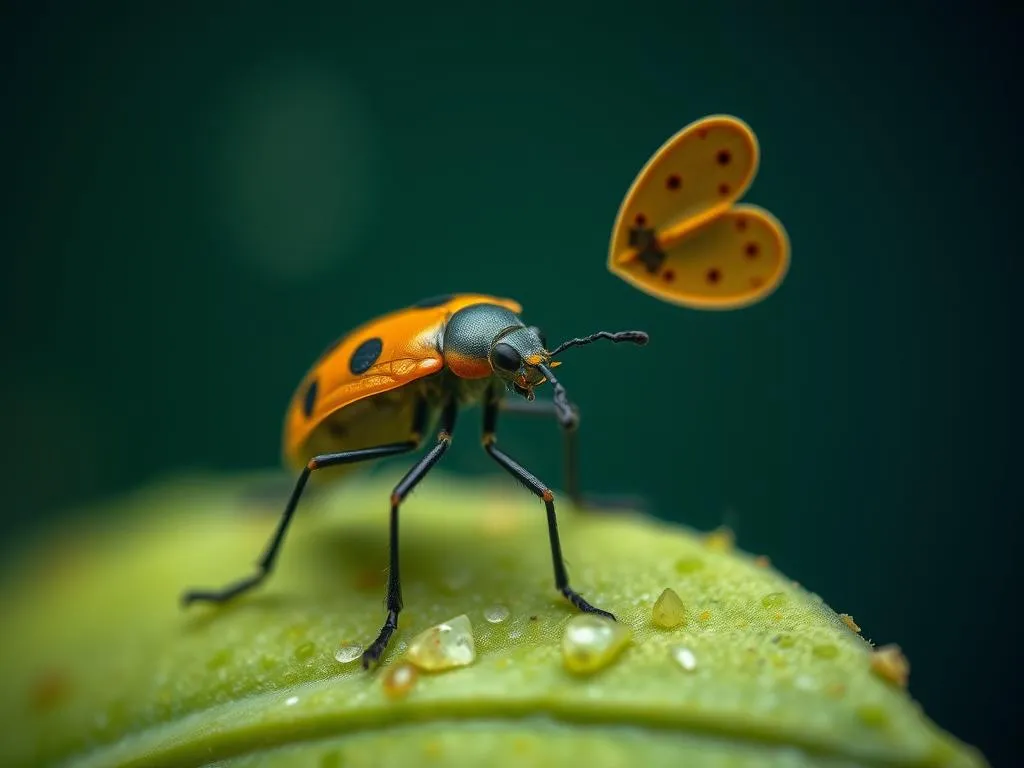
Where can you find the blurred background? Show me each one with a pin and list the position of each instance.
(198, 199)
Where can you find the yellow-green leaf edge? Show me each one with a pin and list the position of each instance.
(104, 668)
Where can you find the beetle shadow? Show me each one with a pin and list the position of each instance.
(359, 557)
(349, 559)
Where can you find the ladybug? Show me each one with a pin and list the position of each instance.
(376, 391)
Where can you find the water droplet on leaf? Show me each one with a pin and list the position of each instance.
(348, 653)
(399, 680)
(669, 611)
(592, 642)
(496, 614)
(684, 657)
(305, 651)
(444, 646)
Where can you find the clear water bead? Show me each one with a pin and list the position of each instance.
(668, 611)
(348, 653)
(444, 646)
(684, 657)
(496, 614)
(592, 642)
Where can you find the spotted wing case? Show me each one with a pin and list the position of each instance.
(680, 234)
(380, 356)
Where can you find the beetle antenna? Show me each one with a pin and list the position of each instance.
(635, 337)
(566, 415)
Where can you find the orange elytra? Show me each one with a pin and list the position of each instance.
(375, 392)
(682, 236)
(358, 393)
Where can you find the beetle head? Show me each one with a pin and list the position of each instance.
(518, 355)
(515, 355)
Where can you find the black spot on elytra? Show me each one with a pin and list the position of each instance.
(366, 354)
(433, 301)
(309, 399)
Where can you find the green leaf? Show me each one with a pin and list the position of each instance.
(104, 668)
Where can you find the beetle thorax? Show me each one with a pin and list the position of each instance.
(468, 336)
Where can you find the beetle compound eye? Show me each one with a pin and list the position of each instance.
(506, 357)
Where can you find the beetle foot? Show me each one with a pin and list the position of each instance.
(576, 599)
(372, 654)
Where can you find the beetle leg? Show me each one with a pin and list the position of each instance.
(518, 471)
(266, 562)
(393, 600)
(570, 453)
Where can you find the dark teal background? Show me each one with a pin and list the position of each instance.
(198, 200)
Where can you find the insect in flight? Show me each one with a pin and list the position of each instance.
(378, 389)
(681, 235)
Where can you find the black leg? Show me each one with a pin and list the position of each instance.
(393, 599)
(570, 450)
(571, 458)
(519, 472)
(266, 563)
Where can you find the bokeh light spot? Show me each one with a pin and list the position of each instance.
(293, 170)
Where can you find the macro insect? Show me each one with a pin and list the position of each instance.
(377, 390)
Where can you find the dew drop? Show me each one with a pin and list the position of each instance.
(291, 701)
(684, 657)
(592, 642)
(668, 611)
(305, 651)
(444, 646)
(348, 653)
(774, 600)
(496, 614)
(399, 680)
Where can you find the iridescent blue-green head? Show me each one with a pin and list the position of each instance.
(488, 340)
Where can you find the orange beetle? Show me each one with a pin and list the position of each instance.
(377, 389)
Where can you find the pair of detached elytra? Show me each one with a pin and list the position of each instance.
(680, 236)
